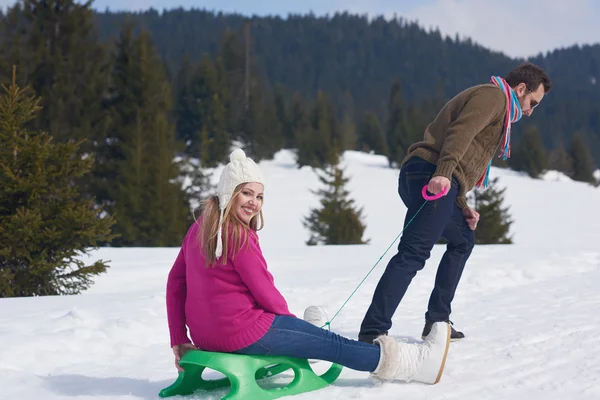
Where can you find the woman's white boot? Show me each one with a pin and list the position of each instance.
(316, 316)
(422, 362)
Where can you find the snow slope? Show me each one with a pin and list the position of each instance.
(528, 309)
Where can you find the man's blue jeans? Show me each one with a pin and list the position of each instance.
(439, 218)
(294, 337)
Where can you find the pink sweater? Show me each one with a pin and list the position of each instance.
(226, 308)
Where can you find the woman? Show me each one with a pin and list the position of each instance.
(220, 288)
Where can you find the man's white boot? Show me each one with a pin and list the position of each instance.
(421, 362)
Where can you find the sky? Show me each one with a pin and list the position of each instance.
(519, 28)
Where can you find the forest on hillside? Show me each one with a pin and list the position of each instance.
(356, 60)
(152, 101)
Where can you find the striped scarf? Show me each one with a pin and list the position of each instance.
(513, 114)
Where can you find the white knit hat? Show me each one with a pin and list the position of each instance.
(240, 169)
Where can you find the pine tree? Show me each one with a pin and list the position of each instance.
(60, 57)
(201, 105)
(182, 80)
(260, 131)
(583, 163)
(316, 141)
(495, 221)
(273, 138)
(396, 125)
(529, 155)
(348, 135)
(233, 52)
(149, 202)
(46, 225)
(187, 112)
(194, 178)
(298, 123)
(337, 221)
(415, 125)
(431, 106)
(371, 137)
(252, 114)
(560, 160)
(284, 119)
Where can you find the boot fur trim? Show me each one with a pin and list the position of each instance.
(389, 358)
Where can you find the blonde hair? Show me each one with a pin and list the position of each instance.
(233, 227)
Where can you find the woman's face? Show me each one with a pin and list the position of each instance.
(249, 201)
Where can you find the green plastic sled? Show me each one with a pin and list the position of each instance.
(241, 373)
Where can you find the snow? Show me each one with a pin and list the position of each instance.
(527, 309)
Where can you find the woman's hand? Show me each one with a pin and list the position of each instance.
(179, 350)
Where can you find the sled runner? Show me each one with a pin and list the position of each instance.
(242, 372)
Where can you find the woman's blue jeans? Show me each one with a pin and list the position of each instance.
(294, 337)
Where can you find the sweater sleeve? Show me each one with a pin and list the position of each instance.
(461, 202)
(481, 109)
(176, 295)
(252, 268)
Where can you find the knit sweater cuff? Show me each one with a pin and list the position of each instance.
(179, 337)
(445, 169)
(461, 201)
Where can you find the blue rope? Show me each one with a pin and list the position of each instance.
(328, 324)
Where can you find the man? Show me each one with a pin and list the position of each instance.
(454, 156)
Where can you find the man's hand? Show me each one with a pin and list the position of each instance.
(437, 184)
(179, 350)
(471, 216)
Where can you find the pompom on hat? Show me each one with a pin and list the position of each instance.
(240, 169)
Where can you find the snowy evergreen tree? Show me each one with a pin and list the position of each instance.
(560, 160)
(371, 136)
(495, 221)
(583, 163)
(196, 179)
(149, 203)
(338, 220)
(46, 225)
(529, 154)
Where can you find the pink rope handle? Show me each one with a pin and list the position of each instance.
(434, 197)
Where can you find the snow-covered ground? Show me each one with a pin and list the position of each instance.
(527, 309)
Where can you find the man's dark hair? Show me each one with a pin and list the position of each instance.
(531, 75)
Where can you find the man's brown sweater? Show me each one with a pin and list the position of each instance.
(464, 136)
